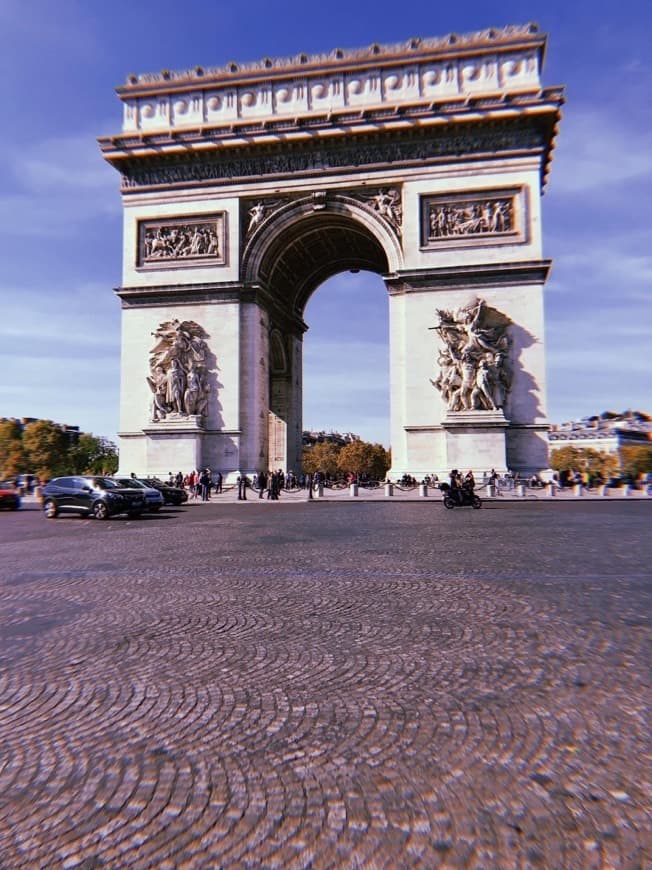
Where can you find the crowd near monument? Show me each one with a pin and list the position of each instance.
(246, 186)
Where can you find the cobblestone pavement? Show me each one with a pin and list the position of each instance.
(327, 685)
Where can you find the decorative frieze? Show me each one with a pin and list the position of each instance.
(492, 217)
(473, 138)
(182, 241)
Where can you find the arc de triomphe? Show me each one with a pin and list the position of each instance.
(247, 186)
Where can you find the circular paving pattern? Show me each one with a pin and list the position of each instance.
(325, 712)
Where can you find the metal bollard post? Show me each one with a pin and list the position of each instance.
(353, 489)
(389, 489)
(521, 490)
(552, 489)
(423, 490)
(320, 490)
(491, 490)
(603, 490)
(578, 489)
(627, 491)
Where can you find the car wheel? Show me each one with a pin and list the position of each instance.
(449, 502)
(100, 511)
(50, 509)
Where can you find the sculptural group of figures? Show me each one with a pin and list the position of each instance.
(178, 371)
(469, 219)
(474, 373)
(177, 242)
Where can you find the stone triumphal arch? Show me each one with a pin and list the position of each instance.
(246, 186)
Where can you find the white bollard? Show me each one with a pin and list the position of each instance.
(389, 489)
(353, 489)
(552, 490)
(578, 489)
(521, 490)
(603, 490)
(320, 490)
(423, 490)
(627, 491)
(491, 491)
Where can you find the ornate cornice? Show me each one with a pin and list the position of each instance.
(492, 39)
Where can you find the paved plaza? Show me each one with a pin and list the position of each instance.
(333, 684)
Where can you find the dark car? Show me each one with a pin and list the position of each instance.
(9, 496)
(171, 494)
(100, 497)
(153, 497)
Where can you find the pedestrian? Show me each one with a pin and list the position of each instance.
(204, 481)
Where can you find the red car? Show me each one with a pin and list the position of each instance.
(9, 496)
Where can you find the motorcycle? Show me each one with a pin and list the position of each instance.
(463, 497)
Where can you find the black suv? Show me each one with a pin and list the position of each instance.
(100, 497)
(171, 494)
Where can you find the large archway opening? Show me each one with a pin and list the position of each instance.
(346, 358)
(343, 247)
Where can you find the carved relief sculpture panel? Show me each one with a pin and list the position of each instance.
(183, 241)
(495, 217)
(178, 377)
(474, 372)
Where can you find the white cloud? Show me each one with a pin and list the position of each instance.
(598, 149)
(58, 185)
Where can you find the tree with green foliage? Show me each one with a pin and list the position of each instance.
(93, 455)
(46, 448)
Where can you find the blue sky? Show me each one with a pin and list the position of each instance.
(60, 211)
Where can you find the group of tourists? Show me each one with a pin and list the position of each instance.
(199, 483)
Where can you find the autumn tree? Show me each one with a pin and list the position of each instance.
(15, 461)
(322, 456)
(364, 458)
(583, 459)
(10, 448)
(636, 459)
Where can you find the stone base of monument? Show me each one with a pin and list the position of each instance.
(476, 440)
(170, 445)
